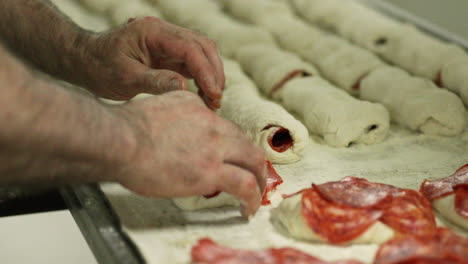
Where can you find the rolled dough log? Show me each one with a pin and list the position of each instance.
(454, 76)
(121, 13)
(414, 102)
(333, 114)
(288, 218)
(193, 203)
(338, 61)
(262, 120)
(271, 67)
(182, 12)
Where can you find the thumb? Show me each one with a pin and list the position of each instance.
(161, 81)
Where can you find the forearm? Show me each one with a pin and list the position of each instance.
(38, 32)
(51, 135)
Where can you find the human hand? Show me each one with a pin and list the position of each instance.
(185, 149)
(150, 55)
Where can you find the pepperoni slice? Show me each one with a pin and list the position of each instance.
(438, 80)
(410, 212)
(461, 199)
(280, 140)
(333, 222)
(272, 181)
(441, 247)
(355, 192)
(442, 187)
(208, 252)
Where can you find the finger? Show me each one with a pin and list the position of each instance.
(212, 53)
(213, 104)
(161, 81)
(243, 185)
(180, 44)
(245, 154)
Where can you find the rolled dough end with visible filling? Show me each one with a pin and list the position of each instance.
(415, 103)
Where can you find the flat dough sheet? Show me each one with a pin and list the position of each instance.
(165, 234)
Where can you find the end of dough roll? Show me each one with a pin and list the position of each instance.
(194, 203)
(414, 102)
(330, 112)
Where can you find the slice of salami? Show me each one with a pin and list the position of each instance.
(334, 222)
(441, 247)
(410, 213)
(461, 199)
(442, 187)
(355, 192)
(272, 182)
(208, 252)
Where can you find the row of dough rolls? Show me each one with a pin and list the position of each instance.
(399, 43)
(326, 110)
(347, 65)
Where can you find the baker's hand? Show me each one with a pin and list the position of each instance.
(184, 149)
(150, 55)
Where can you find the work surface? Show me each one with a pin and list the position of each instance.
(165, 234)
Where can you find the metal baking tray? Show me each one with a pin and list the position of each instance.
(99, 224)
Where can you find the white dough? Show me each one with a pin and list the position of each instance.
(182, 12)
(415, 103)
(401, 44)
(333, 114)
(255, 11)
(455, 77)
(81, 16)
(199, 202)
(121, 13)
(288, 218)
(99, 6)
(269, 66)
(446, 207)
(336, 59)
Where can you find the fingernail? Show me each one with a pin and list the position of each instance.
(174, 84)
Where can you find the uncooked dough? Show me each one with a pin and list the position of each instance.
(269, 66)
(455, 77)
(288, 218)
(414, 102)
(446, 207)
(339, 118)
(193, 203)
(121, 13)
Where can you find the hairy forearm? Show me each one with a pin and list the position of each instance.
(49, 134)
(37, 31)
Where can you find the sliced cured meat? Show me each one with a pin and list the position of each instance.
(404, 210)
(410, 213)
(206, 251)
(449, 196)
(355, 192)
(461, 199)
(272, 182)
(333, 222)
(354, 210)
(438, 188)
(441, 247)
(280, 140)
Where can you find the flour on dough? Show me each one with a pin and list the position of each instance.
(199, 202)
